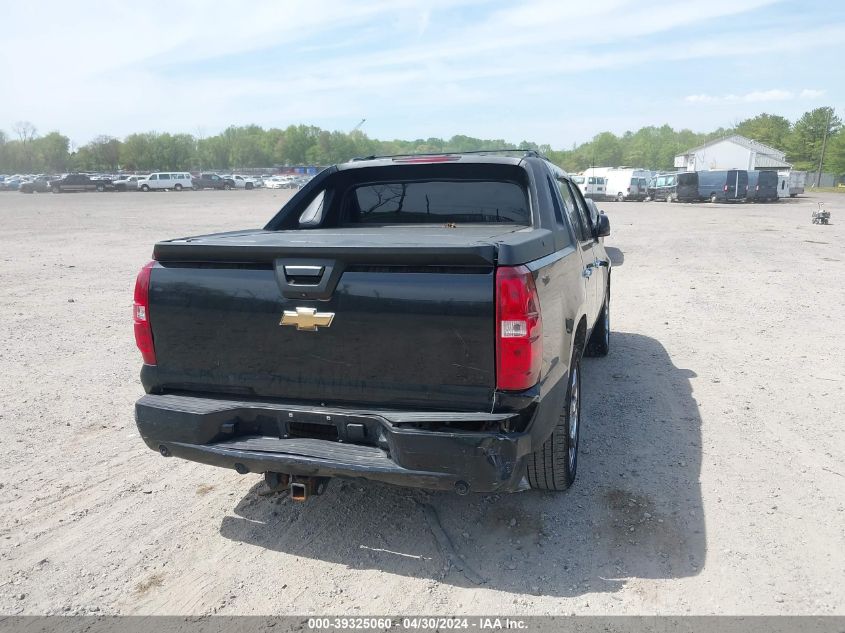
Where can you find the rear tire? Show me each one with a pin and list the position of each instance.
(599, 343)
(56, 190)
(101, 188)
(145, 188)
(670, 198)
(177, 187)
(248, 185)
(714, 198)
(620, 197)
(554, 464)
(227, 186)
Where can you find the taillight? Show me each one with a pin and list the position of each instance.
(519, 328)
(756, 188)
(141, 315)
(726, 188)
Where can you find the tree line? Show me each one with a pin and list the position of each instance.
(237, 147)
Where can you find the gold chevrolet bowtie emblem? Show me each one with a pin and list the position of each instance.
(307, 319)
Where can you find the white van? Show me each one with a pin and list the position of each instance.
(590, 185)
(623, 183)
(166, 180)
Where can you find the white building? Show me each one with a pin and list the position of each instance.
(732, 152)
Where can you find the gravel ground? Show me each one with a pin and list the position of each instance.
(712, 474)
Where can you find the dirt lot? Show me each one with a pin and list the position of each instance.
(712, 475)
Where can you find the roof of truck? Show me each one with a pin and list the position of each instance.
(499, 156)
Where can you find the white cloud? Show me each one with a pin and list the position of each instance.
(756, 96)
(383, 59)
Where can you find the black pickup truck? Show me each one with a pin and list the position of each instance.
(417, 320)
(212, 181)
(80, 182)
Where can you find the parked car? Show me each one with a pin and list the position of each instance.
(275, 182)
(160, 181)
(79, 182)
(10, 184)
(620, 183)
(762, 185)
(592, 186)
(664, 187)
(128, 183)
(244, 182)
(339, 357)
(212, 181)
(686, 189)
(626, 184)
(40, 184)
(726, 185)
(796, 181)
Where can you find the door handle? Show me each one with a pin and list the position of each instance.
(601, 262)
(588, 270)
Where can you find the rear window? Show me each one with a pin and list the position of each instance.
(768, 178)
(423, 202)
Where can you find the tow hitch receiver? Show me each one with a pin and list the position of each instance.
(301, 488)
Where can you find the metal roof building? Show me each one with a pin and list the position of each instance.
(732, 152)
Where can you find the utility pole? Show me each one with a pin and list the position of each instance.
(824, 147)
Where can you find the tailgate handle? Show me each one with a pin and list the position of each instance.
(304, 271)
(308, 279)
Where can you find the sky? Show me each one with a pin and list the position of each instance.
(555, 72)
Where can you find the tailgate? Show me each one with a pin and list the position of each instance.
(389, 335)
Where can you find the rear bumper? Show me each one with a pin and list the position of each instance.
(256, 436)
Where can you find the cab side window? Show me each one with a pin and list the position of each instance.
(571, 209)
(553, 193)
(583, 214)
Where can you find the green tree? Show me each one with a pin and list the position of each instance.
(26, 132)
(213, 153)
(52, 152)
(805, 144)
(605, 150)
(835, 155)
(102, 154)
(246, 146)
(136, 152)
(296, 142)
(172, 151)
(770, 129)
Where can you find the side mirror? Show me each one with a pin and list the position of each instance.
(603, 226)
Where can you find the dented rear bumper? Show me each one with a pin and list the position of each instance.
(396, 447)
